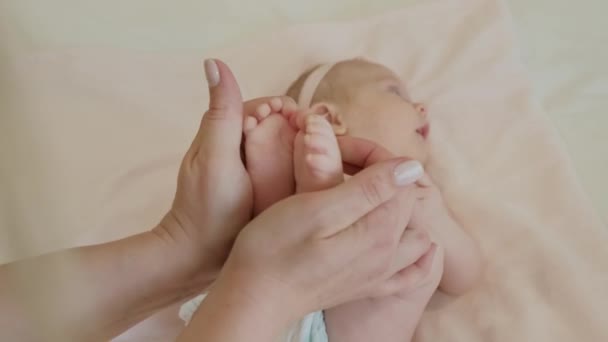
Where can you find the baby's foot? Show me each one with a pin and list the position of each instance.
(269, 149)
(317, 160)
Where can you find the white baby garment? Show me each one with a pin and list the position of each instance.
(310, 329)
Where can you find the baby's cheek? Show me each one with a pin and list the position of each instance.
(391, 137)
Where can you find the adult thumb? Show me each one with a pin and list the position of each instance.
(222, 125)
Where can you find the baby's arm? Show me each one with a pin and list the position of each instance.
(462, 258)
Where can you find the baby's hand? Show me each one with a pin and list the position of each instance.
(430, 206)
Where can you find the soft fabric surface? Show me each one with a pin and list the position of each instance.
(566, 58)
(112, 126)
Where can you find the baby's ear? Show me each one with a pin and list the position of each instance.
(330, 112)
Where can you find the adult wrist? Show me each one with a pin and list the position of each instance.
(182, 264)
(259, 295)
(237, 309)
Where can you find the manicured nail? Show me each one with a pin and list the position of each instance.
(408, 172)
(212, 73)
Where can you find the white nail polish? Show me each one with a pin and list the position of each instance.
(408, 172)
(212, 73)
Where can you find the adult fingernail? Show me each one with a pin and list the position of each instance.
(212, 73)
(408, 172)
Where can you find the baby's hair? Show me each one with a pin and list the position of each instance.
(335, 86)
(295, 88)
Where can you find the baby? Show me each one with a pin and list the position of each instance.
(290, 150)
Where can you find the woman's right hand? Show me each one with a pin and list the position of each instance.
(317, 250)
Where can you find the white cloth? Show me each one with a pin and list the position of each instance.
(310, 329)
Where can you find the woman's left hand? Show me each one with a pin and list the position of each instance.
(135, 276)
(214, 197)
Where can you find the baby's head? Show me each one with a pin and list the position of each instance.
(366, 100)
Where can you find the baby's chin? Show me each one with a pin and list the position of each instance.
(422, 157)
(420, 152)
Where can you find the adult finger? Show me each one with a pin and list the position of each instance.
(404, 203)
(388, 226)
(425, 181)
(414, 243)
(374, 249)
(222, 125)
(350, 201)
(410, 277)
(358, 153)
(385, 228)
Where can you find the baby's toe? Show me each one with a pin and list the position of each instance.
(319, 126)
(263, 111)
(320, 164)
(276, 104)
(315, 143)
(249, 124)
(289, 105)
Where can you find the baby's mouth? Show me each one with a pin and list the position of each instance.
(424, 131)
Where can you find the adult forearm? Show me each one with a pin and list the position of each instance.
(91, 293)
(234, 312)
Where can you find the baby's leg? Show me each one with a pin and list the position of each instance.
(317, 160)
(269, 143)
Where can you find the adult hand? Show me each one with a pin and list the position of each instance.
(133, 277)
(317, 250)
(214, 196)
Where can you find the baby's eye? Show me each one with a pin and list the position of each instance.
(399, 91)
(394, 89)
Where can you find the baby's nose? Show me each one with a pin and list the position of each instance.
(421, 109)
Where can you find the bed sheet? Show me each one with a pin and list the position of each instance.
(564, 58)
(563, 46)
